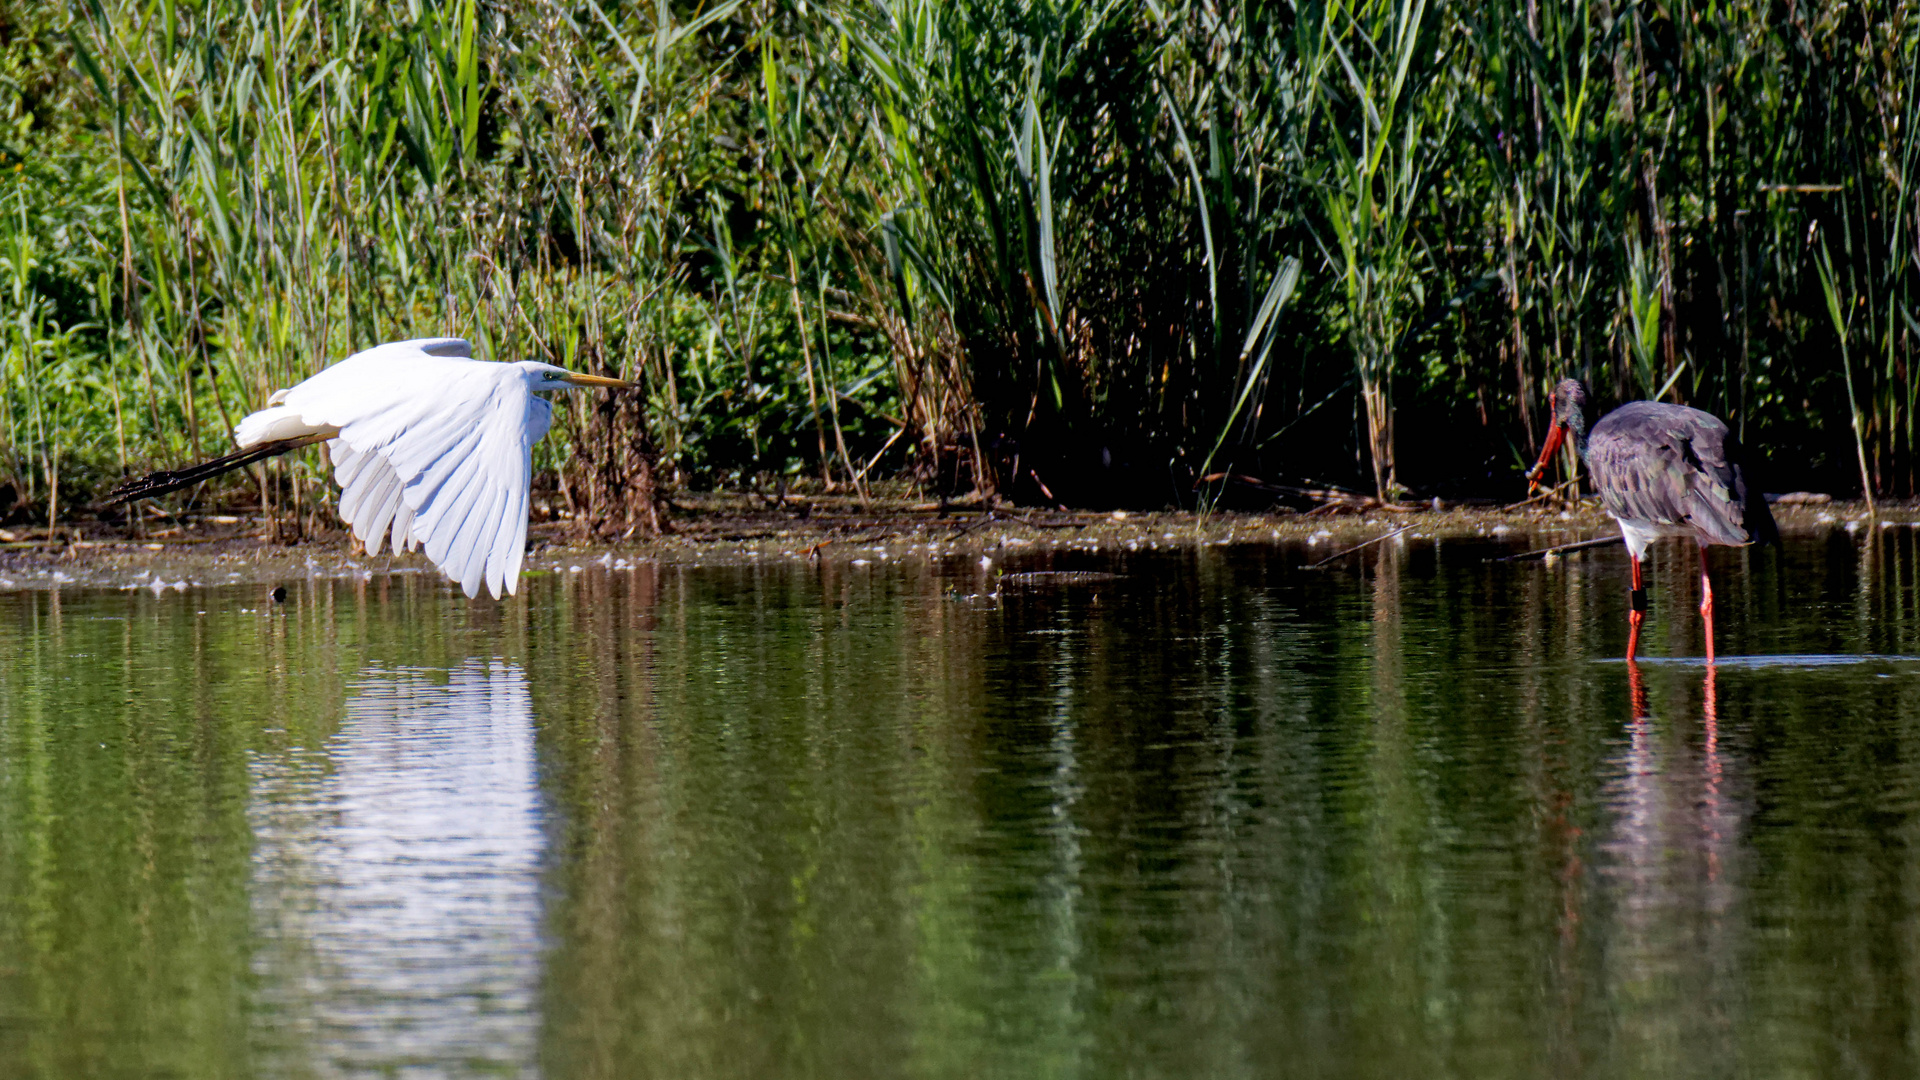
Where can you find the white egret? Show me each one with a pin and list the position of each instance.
(431, 448)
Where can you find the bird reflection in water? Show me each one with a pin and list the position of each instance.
(1711, 804)
(396, 878)
(1671, 857)
(1711, 765)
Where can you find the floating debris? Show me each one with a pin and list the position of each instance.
(1058, 577)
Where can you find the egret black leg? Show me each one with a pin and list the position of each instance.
(1706, 600)
(1637, 603)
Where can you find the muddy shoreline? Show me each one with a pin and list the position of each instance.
(218, 550)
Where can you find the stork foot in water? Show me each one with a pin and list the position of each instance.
(1706, 599)
(1636, 609)
(1662, 470)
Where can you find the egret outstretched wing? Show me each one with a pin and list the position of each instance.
(468, 489)
(370, 498)
(431, 447)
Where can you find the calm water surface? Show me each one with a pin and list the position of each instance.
(1219, 817)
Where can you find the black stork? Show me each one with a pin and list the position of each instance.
(1662, 470)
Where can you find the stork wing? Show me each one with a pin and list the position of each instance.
(435, 450)
(1671, 465)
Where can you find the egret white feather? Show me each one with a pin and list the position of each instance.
(403, 538)
(368, 492)
(431, 448)
(351, 472)
(376, 510)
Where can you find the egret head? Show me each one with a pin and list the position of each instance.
(542, 377)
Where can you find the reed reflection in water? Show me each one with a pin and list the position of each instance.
(396, 879)
(1216, 816)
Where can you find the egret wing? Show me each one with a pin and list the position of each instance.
(394, 379)
(435, 446)
(369, 493)
(460, 520)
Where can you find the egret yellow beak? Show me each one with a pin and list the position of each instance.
(598, 380)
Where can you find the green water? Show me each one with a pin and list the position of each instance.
(1217, 817)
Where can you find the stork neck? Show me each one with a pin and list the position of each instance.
(1577, 429)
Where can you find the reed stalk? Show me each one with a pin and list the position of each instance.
(1101, 251)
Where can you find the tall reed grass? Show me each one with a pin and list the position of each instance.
(1063, 251)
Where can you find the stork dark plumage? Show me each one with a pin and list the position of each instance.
(1662, 470)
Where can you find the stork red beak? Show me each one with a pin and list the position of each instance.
(1554, 438)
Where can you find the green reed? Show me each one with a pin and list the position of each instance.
(1066, 251)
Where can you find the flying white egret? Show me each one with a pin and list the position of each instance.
(430, 447)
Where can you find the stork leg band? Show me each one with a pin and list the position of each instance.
(1638, 598)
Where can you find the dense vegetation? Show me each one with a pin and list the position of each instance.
(1066, 251)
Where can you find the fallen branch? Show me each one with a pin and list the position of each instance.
(1362, 505)
(1561, 549)
(962, 530)
(814, 551)
(1547, 494)
(131, 542)
(1328, 493)
(1357, 547)
(1058, 577)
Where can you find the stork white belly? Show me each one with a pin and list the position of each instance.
(1640, 533)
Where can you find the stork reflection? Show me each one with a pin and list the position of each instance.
(1671, 856)
(396, 876)
(1712, 803)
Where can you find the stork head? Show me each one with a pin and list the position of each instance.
(1569, 415)
(1570, 404)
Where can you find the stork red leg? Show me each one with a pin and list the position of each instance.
(1706, 600)
(1637, 602)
